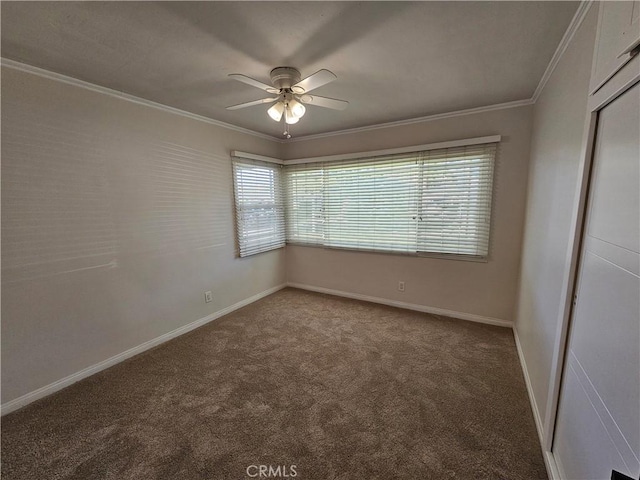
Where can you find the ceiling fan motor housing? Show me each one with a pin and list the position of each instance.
(284, 77)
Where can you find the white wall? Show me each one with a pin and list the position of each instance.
(116, 218)
(556, 144)
(482, 289)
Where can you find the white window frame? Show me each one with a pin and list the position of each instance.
(394, 151)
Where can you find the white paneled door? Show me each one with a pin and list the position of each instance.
(598, 424)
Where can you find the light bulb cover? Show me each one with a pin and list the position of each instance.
(289, 117)
(297, 109)
(276, 111)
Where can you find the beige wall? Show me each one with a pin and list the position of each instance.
(557, 137)
(116, 218)
(484, 289)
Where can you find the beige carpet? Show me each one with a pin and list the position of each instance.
(339, 388)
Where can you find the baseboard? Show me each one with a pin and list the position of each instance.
(42, 392)
(549, 460)
(409, 306)
(552, 467)
(527, 381)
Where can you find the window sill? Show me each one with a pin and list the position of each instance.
(440, 256)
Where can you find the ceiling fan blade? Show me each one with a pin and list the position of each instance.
(253, 82)
(251, 104)
(318, 79)
(324, 102)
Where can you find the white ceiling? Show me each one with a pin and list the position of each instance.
(394, 60)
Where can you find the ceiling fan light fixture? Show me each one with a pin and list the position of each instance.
(276, 111)
(291, 94)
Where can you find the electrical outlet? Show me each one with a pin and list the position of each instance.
(208, 297)
(401, 286)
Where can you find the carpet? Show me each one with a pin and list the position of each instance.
(296, 385)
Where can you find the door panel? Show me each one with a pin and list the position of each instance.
(615, 188)
(618, 29)
(605, 343)
(585, 432)
(598, 424)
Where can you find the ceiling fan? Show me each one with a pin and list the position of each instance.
(291, 94)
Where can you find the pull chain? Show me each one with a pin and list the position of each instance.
(284, 120)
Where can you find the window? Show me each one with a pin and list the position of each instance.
(259, 206)
(366, 204)
(434, 201)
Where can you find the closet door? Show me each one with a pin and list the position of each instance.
(598, 423)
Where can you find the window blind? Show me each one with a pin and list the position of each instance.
(365, 204)
(435, 201)
(455, 200)
(259, 205)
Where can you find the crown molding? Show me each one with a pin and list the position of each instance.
(411, 121)
(41, 72)
(573, 27)
(575, 23)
